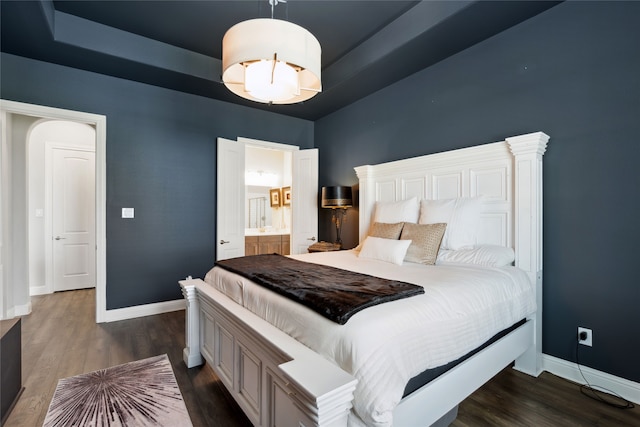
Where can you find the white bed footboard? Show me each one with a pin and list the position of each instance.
(276, 380)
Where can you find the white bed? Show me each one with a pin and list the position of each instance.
(279, 381)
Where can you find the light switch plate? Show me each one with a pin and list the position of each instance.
(127, 212)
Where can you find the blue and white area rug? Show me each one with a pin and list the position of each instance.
(141, 393)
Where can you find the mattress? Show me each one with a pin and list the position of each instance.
(384, 346)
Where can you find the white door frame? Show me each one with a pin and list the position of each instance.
(100, 123)
(257, 143)
(6, 294)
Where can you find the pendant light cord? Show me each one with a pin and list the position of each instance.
(274, 3)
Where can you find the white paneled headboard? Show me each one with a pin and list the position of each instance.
(507, 174)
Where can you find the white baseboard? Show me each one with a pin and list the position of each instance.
(22, 310)
(630, 390)
(38, 290)
(144, 310)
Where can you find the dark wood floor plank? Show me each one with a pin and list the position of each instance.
(98, 351)
(513, 399)
(60, 339)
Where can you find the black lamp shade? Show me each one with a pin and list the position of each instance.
(336, 197)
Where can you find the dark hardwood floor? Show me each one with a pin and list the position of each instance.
(60, 339)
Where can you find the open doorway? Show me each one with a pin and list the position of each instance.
(302, 200)
(14, 239)
(61, 206)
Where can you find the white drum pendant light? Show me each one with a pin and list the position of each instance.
(271, 61)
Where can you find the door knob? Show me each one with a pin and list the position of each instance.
(222, 242)
(313, 239)
(60, 238)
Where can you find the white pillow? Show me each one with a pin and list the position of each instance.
(401, 211)
(461, 215)
(387, 250)
(435, 211)
(488, 255)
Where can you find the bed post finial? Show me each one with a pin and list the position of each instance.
(528, 151)
(366, 197)
(191, 353)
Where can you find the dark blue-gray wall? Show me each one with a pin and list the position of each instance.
(161, 160)
(572, 72)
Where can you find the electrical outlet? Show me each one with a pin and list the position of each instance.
(588, 340)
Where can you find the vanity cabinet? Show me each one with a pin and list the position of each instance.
(270, 244)
(251, 245)
(267, 244)
(286, 244)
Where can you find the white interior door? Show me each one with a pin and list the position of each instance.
(304, 200)
(230, 205)
(73, 220)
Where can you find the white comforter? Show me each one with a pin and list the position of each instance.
(386, 345)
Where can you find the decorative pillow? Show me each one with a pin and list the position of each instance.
(425, 241)
(385, 230)
(401, 211)
(488, 255)
(387, 250)
(461, 215)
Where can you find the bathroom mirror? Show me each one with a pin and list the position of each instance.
(258, 209)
